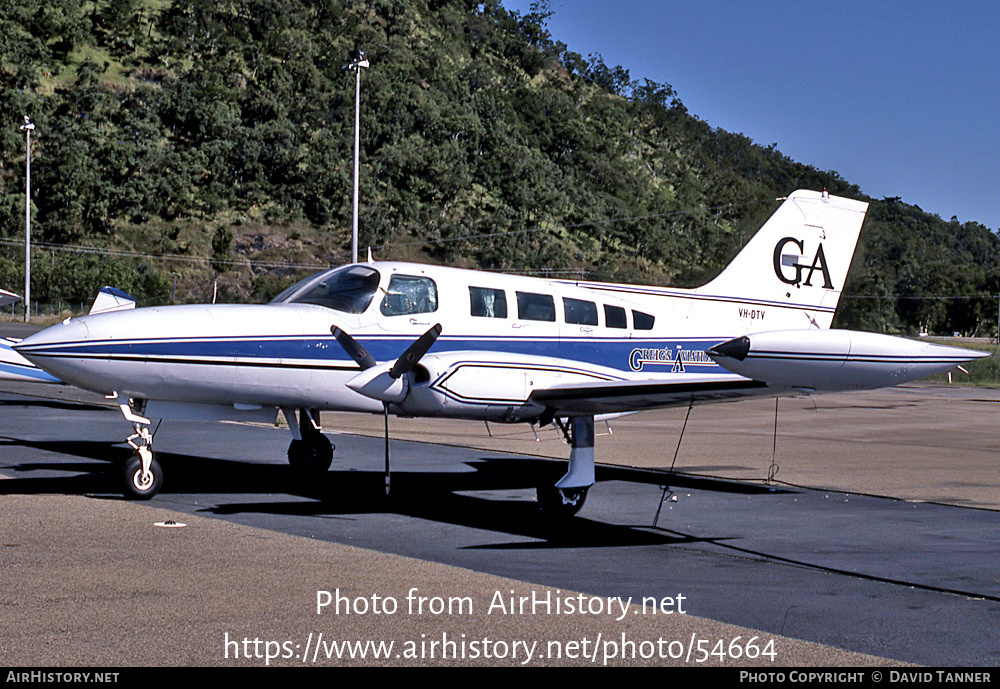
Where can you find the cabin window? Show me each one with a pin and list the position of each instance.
(536, 307)
(349, 289)
(488, 303)
(580, 312)
(642, 321)
(614, 317)
(408, 294)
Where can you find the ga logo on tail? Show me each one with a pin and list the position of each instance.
(819, 262)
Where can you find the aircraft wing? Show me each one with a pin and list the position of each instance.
(13, 366)
(803, 360)
(7, 298)
(624, 396)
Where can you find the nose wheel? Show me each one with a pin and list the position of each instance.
(142, 482)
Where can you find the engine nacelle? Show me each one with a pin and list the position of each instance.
(496, 386)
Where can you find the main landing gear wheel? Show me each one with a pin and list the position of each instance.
(561, 503)
(313, 454)
(141, 485)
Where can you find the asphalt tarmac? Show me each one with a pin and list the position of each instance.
(877, 542)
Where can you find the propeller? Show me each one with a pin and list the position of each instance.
(385, 381)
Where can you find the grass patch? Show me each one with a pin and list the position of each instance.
(984, 372)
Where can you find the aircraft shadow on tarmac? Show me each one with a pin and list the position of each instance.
(52, 404)
(440, 496)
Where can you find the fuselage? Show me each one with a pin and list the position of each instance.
(503, 336)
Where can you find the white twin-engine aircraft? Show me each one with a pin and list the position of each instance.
(418, 340)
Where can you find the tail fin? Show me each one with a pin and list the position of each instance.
(799, 258)
(110, 299)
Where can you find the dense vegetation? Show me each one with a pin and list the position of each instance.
(221, 132)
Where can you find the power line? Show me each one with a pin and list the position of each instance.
(169, 257)
(573, 226)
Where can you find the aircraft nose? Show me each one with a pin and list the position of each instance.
(53, 340)
(67, 352)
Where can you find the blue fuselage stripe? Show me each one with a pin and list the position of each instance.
(677, 355)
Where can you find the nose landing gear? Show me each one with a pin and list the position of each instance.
(142, 475)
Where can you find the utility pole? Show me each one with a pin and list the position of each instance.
(358, 62)
(27, 127)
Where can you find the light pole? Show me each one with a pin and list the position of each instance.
(27, 127)
(358, 62)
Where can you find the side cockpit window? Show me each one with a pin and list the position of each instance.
(642, 321)
(349, 289)
(408, 294)
(488, 303)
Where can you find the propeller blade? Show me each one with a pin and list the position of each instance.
(354, 349)
(408, 361)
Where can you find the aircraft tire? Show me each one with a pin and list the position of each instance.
(135, 487)
(561, 503)
(312, 455)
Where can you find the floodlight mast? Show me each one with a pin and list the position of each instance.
(27, 128)
(358, 62)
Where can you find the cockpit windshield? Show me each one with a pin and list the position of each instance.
(349, 289)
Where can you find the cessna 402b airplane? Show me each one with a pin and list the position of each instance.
(418, 340)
